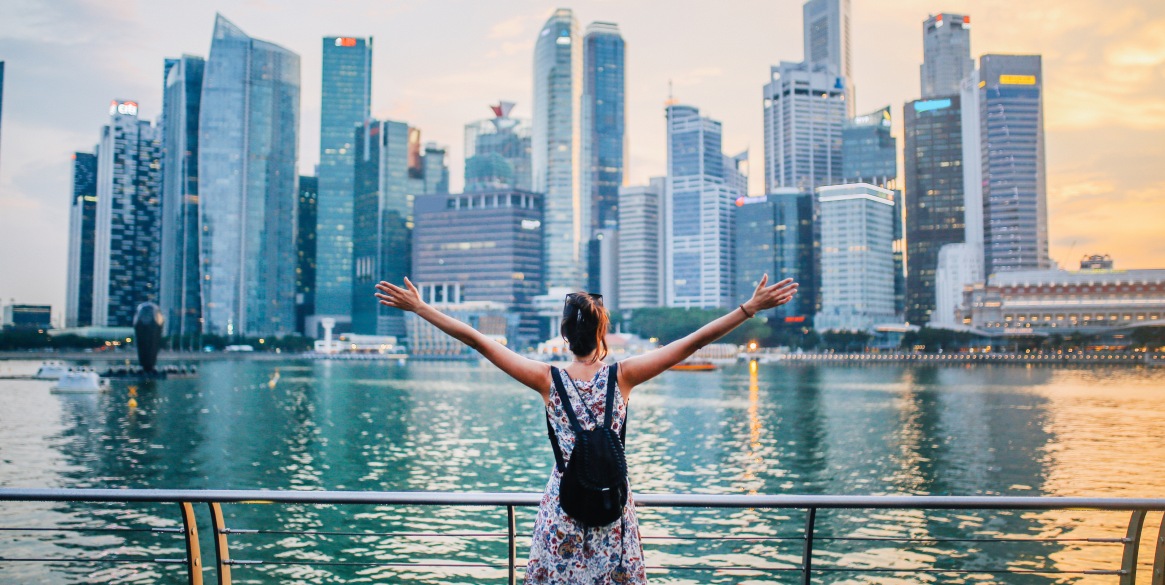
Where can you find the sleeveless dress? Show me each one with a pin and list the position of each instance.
(564, 552)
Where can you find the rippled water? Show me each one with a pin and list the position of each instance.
(966, 430)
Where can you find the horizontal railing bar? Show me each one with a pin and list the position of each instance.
(531, 499)
(1001, 539)
(85, 560)
(364, 564)
(969, 571)
(404, 534)
(82, 529)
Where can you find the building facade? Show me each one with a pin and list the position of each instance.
(494, 320)
(82, 241)
(248, 148)
(804, 112)
(604, 113)
(946, 49)
(641, 251)
(827, 40)
(497, 152)
(869, 152)
(556, 149)
(180, 293)
(28, 316)
(857, 257)
(305, 251)
(775, 236)
(701, 190)
(490, 243)
(127, 242)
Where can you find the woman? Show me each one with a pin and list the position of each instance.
(563, 551)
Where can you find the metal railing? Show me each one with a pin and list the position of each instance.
(808, 539)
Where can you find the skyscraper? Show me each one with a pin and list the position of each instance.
(641, 251)
(1011, 119)
(180, 293)
(127, 239)
(305, 252)
(774, 235)
(247, 152)
(869, 153)
(933, 195)
(857, 258)
(805, 110)
(345, 102)
(497, 152)
(827, 41)
(556, 149)
(82, 232)
(603, 121)
(946, 48)
(701, 190)
(435, 169)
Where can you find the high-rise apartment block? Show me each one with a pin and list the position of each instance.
(641, 251)
(497, 152)
(701, 190)
(804, 112)
(127, 242)
(603, 121)
(556, 149)
(247, 153)
(82, 235)
(857, 257)
(774, 234)
(346, 96)
(946, 46)
(180, 294)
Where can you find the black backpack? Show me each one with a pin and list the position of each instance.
(594, 482)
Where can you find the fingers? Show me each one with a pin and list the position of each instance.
(412, 288)
(761, 285)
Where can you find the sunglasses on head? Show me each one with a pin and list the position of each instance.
(594, 296)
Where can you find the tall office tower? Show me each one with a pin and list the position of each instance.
(604, 113)
(827, 41)
(383, 223)
(946, 49)
(774, 235)
(305, 252)
(556, 146)
(869, 153)
(805, 110)
(127, 245)
(490, 243)
(346, 100)
(82, 232)
(1011, 126)
(857, 257)
(641, 251)
(700, 193)
(603, 266)
(247, 152)
(180, 292)
(935, 212)
(435, 170)
(497, 152)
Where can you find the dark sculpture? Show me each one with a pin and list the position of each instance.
(147, 327)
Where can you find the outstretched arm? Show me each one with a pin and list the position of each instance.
(534, 374)
(641, 368)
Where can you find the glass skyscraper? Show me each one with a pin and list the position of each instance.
(701, 190)
(774, 234)
(346, 97)
(946, 46)
(857, 259)
(497, 152)
(641, 251)
(180, 294)
(248, 146)
(827, 41)
(556, 146)
(804, 112)
(603, 121)
(82, 233)
(868, 150)
(127, 238)
(305, 251)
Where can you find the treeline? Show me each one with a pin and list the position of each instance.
(16, 339)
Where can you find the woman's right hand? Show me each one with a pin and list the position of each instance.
(767, 297)
(404, 299)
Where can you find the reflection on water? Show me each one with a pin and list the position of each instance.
(772, 429)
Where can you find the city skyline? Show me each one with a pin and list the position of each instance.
(1097, 91)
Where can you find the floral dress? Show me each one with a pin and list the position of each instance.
(564, 552)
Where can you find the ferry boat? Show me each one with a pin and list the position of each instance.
(694, 367)
(51, 371)
(80, 382)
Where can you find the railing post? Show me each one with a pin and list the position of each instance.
(512, 545)
(193, 554)
(221, 551)
(807, 553)
(1159, 557)
(1132, 547)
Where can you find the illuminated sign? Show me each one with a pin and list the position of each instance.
(928, 105)
(562, 40)
(345, 42)
(794, 319)
(123, 108)
(531, 224)
(742, 201)
(1017, 80)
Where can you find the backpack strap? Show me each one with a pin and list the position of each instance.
(558, 459)
(613, 374)
(554, 445)
(556, 374)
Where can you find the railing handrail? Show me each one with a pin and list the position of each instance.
(421, 498)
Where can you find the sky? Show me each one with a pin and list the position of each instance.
(438, 64)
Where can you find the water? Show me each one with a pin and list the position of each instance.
(966, 430)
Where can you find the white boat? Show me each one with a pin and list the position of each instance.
(51, 371)
(80, 382)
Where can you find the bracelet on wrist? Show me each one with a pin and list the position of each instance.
(746, 313)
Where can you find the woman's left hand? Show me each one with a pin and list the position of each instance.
(404, 299)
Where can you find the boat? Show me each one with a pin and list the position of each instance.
(694, 367)
(51, 371)
(80, 382)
